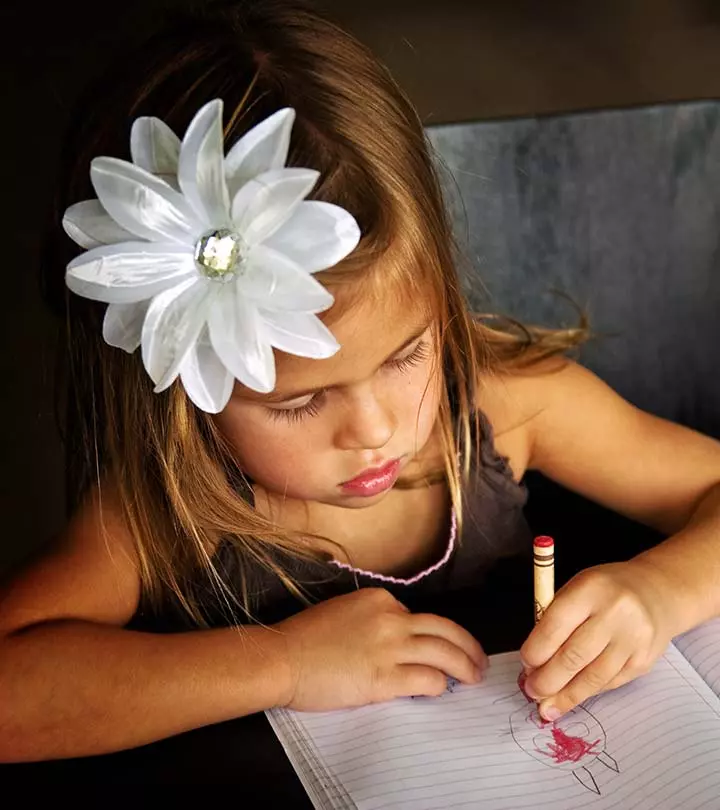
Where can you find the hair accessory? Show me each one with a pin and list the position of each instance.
(206, 259)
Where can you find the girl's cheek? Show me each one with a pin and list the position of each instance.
(428, 398)
(271, 451)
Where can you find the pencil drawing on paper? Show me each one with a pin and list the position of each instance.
(576, 742)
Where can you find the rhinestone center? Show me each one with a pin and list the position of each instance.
(220, 254)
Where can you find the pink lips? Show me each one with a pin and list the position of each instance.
(373, 481)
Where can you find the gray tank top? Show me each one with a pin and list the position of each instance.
(487, 569)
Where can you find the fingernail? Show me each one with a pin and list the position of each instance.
(530, 692)
(551, 713)
(479, 673)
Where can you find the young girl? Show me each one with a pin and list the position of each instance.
(297, 437)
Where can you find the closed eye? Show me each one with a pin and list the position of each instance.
(419, 353)
(312, 408)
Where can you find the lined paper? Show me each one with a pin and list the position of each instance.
(701, 647)
(661, 732)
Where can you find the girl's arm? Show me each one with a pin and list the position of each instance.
(74, 688)
(610, 623)
(74, 682)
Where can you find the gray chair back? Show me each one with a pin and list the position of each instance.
(618, 209)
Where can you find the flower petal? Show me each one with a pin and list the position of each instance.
(273, 281)
(236, 336)
(89, 224)
(142, 203)
(122, 326)
(172, 325)
(205, 379)
(154, 146)
(265, 203)
(262, 148)
(129, 271)
(317, 235)
(299, 333)
(201, 172)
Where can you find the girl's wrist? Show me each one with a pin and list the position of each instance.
(284, 671)
(264, 671)
(671, 591)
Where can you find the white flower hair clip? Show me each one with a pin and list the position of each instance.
(206, 259)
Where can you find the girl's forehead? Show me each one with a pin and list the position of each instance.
(363, 332)
(367, 335)
(355, 323)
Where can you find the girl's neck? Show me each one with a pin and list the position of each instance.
(398, 535)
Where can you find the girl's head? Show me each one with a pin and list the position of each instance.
(328, 420)
(185, 478)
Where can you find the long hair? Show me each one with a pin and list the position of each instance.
(177, 483)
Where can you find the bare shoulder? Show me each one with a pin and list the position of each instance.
(89, 572)
(564, 421)
(514, 401)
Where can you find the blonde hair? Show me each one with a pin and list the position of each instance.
(178, 485)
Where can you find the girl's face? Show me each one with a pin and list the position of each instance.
(374, 401)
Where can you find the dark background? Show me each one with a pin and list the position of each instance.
(459, 61)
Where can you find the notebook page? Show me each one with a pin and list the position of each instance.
(701, 647)
(654, 743)
(323, 788)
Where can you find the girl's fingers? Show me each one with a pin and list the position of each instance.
(441, 654)
(414, 680)
(624, 676)
(595, 678)
(574, 656)
(428, 624)
(565, 614)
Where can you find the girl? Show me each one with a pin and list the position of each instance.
(301, 454)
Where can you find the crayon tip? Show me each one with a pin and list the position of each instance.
(543, 541)
(522, 677)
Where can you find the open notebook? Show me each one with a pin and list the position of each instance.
(653, 743)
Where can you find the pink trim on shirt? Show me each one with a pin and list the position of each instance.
(417, 577)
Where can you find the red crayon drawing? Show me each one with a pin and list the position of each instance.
(565, 748)
(575, 742)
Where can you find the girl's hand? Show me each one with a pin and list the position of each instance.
(608, 625)
(366, 647)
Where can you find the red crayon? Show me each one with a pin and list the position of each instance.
(544, 580)
(544, 571)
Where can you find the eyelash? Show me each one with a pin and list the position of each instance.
(312, 408)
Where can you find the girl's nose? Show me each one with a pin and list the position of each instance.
(367, 423)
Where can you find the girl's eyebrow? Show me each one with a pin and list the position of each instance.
(282, 397)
